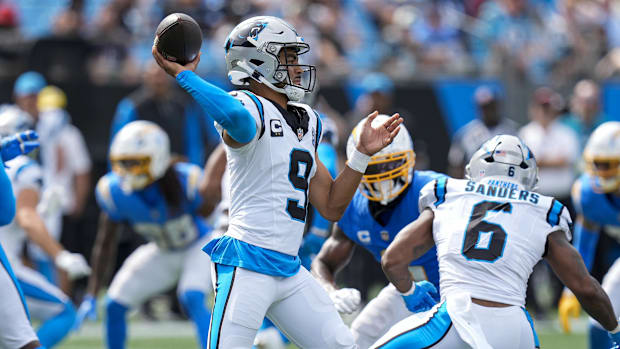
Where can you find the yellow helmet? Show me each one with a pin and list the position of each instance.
(602, 157)
(389, 171)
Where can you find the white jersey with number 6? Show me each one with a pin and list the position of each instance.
(489, 235)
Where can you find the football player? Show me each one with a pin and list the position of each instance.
(46, 302)
(18, 332)
(489, 231)
(596, 196)
(271, 142)
(161, 202)
(269, 337)
(384, 204)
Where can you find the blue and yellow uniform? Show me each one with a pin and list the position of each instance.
(149, 214)
(597, 213)
(362, 227)
(173, 255)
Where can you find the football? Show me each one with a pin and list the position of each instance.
(178, 38)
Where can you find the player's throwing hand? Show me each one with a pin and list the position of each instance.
(173, 68)
(374, 137)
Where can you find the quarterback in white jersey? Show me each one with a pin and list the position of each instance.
(490, 231)
(271, 142)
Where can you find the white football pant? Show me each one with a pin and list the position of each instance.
(150, 270)
(297, 305)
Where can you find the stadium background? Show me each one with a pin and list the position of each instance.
(435, 53)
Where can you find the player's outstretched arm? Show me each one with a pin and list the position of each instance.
(410, 243)
(333, 256)
(331, 197)
(217, 103)
(211, 185)
(29, 219)
(103, 252)
(7, 201)
(569, 267)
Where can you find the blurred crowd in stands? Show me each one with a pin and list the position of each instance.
(523, 41)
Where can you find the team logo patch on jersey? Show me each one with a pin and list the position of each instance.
(300, 133)
(276, 128)
(385, 235)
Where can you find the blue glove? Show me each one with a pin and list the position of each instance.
(18, 144)
(615, 340)
(310, 247)
(423, 298)
(86, 311)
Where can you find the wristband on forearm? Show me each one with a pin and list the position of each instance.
(358, 161)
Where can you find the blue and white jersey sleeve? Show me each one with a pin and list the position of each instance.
(595, 207)
(25, 173)
(105, 198)
(433, 194)
(559, 218)
(255, 108)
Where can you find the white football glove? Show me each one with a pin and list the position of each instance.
(73, 263)
(346, 300)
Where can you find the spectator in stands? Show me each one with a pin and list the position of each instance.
(192, 134)
(555, 145)
(13, 45)
(437, 39)
(586, 113)
(64, 55)
(111, 59)
(470, 137)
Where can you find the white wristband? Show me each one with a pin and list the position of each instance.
(358, 161)
(615, 330)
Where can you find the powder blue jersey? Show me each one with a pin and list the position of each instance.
(148, 213)
(599, 208)
(359, 225)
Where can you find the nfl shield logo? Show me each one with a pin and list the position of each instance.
(300, 133)
(385, 235)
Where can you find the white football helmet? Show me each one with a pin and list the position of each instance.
(140, 154)
(389, 171)
(253, 52)
(602, 157)
(14, 120)
(504, 156)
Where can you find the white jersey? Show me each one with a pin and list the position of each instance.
(489, 235)
(270, 176)
(24, 173)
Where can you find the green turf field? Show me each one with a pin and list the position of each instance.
(180, 335)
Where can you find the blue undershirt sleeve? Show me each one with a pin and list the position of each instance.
(7, 201)
(223, 108)
(585, 241)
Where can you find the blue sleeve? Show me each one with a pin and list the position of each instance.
(105, 199)
(222, 107)
(125, 113)
(585, 242)
(7, 202)
(191, 181)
